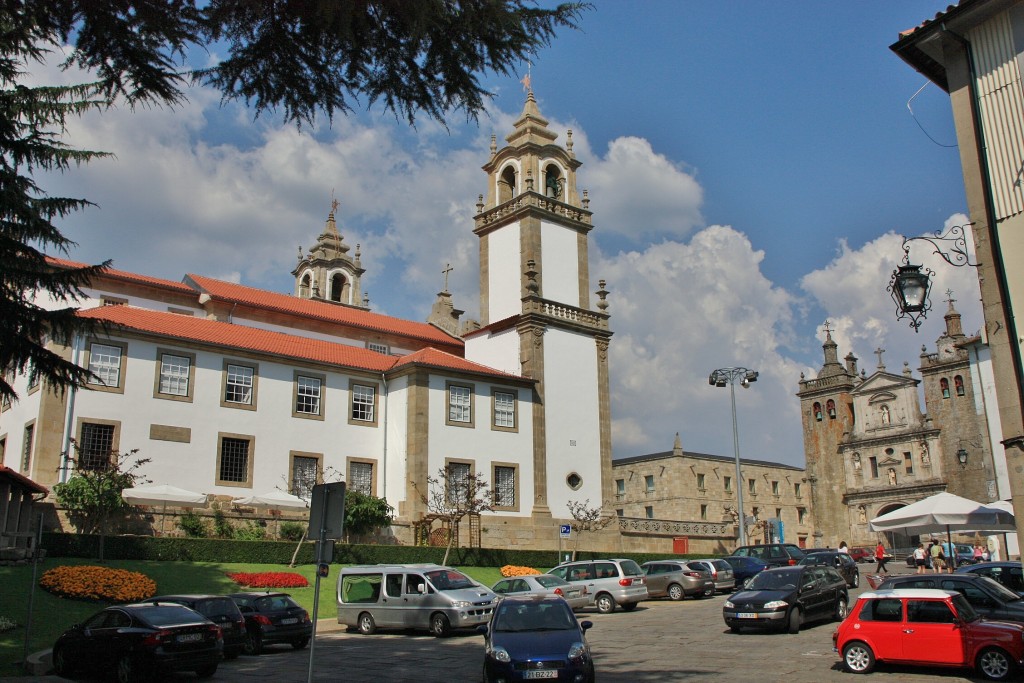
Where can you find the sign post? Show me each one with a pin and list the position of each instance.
(326, 521)
(564, 531)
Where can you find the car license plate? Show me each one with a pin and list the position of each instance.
(746, 615)
(549, 673)
(190, 637)
(290, 620)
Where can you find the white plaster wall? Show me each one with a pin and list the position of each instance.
(392, 483)
(503, 276)
(571, 416)
(499, 351)
(560, 264)
(480, 443)
(12, 427)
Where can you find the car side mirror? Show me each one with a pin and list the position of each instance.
(421, 588)
(584, 625)
(482, 629)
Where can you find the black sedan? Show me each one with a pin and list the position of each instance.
(139, 643)
(990, 599)
(273, 618)
(536, 636)
(841, 562)
(786, 597)
(221, 610)
(1007, 573)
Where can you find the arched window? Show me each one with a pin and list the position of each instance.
(337, 287)
(304, 286)
(817, 411)
(507, 184)
(830, 407)
(944, 385)
(958, 383)
(552, 182)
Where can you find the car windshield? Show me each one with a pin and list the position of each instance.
(999, 590)
(549, 581)
(786, 580)
(631, 568)
(964, 610)
(168, 615)
(449, 580)
(545, 616)
(274, 603)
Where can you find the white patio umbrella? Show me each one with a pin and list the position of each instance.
(164, 495)
(944, 512)
(272, 500)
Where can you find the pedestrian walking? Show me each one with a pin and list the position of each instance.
(881, 559)
(938, 559)
(919, 558)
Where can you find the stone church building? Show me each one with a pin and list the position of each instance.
(870, 448)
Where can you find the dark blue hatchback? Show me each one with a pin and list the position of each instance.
(536, 638)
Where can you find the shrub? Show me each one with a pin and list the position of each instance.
(222, 527)
(250, 532)
(513, 570)
(7, 624)
(193, 525)
(269, 580)
(292, 531)
(86, 582)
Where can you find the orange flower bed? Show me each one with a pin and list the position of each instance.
(269, 579)
(98, 583)
(513, 570)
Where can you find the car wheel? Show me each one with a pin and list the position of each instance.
(858, 657)
(841, 609)
(734, 629)
(675, 592)
(709, 593)
(300, 643)
(128, 670)
(994, 664)
(367, 626)
(628, 606)
(793, 623)
(232, 653)
(206, 671)
(61, 664)
(439, 625)
(254, 643)
(605, 603)
(856, 579)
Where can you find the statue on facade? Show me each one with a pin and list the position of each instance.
(862, 513)
(925, 458)
(856, 461)
(892, 476)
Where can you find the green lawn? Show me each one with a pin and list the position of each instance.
(52, 615)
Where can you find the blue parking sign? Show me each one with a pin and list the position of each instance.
(565, 530)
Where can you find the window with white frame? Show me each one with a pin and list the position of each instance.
(775, 488)
(649, 483)
(238, 384)
(360, 477)
(458, 482)
(174, 374)
(95, 447)
(504, 410)
(379, 348)
(700, 481)
(504, 486)
(305, 475)
(703, 511)
(752, 486)
(105, 364)
(620, 487)
(363, 401)
(460, 404)
(307, 395)
(727, 484)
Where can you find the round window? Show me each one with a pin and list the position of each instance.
(574, 481)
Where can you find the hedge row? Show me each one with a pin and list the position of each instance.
(280, 552)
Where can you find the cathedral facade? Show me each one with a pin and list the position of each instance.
(871, 449)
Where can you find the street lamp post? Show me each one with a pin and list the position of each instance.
(719, 378)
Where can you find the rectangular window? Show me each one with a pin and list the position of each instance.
(305, 475)
(3, 449)
(873, 461)
(458, 481)
(364, 400)
(775, 488)
(95, 447)
(504, 410)
(619, 512)
(26, 448)
(778, 514)
(360, 476)
(175, 372)
(504, 486)
(460, 405)
(727, 481)
(703, 511)
(620, 487)
(801, 515)
(752, 486)
(239, 384)
(307, 395)
(908, 462)
(105, 364)
(649, 483)
(700, 481)
(796, 490)
(379, 348)
(33, 378)
(234, 464)
(649, 511)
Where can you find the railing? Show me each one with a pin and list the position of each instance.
(675, 528)
(532, 199)
(562, 311)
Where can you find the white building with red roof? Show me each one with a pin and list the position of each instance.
(232, 391)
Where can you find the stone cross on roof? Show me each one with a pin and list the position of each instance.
(878, 352)
(447, 269)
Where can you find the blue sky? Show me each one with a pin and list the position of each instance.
(750, 166)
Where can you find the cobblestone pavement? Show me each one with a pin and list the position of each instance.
(659, 641)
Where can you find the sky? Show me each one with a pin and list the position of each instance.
(751, 167)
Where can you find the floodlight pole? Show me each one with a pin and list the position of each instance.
(719, 378)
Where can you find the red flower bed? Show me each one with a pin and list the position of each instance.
(269, 579)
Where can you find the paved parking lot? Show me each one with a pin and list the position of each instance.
(659, 641)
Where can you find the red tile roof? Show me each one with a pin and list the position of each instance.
(193, 329)
(21, 479)
(125, 275)
(320, 310)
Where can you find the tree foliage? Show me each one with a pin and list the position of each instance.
(453, 495)
(302, 57)
(365, 513)
(586, 519)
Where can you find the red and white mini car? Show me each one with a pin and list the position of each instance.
(929, 627)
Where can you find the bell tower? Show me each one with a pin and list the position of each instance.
(327, 272)
(536, 319)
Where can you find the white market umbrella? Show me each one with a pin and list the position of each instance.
(273, 500)
(944, 512)
(163, 495)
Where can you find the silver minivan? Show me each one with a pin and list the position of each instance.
(407, 596)
(609, 582)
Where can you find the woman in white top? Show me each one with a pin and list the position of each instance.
(919, 558)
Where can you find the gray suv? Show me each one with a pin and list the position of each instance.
(609, 582)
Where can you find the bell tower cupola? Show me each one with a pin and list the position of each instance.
(327, 272)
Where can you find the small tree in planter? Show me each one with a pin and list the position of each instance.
(454, 494)
(586, 518)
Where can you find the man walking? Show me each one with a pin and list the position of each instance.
(881, 559)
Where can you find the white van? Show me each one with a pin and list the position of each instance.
(423, 596)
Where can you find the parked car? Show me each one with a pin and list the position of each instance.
(221, 610)
(721, 573)
(773, 554)
(609, 583)
(139, 643)
(841, 562)
(744, 568)
(533, 637)
(990, 599)
(964, 555)
(543, 584)
(862, 554)
(1007, 573)
(675, 580)
(273, 618)
(927, 628)
(783, 598)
